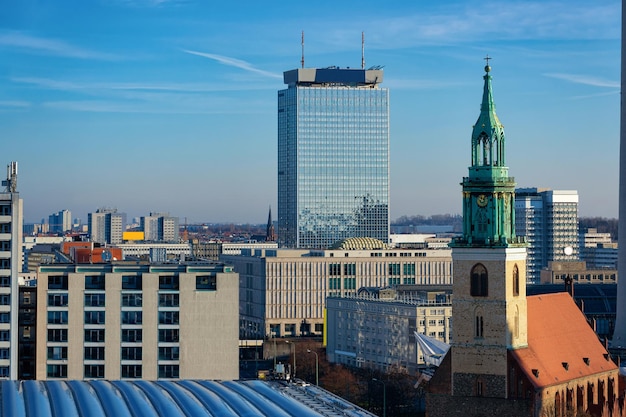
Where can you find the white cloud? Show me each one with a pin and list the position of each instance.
(234, 62)
(585, 79)
(33, 44)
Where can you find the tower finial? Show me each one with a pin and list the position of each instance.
(302, 59)
(487, 67)
(362, 50)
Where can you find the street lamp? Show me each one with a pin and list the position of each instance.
(317, 367)
(293, 373)
(384, 396)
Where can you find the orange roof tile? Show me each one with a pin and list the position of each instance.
(559, 337)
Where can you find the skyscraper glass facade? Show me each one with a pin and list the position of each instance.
(333, 163)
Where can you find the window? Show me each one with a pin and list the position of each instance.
(94, 353)
(168, 282)
(57, 352)
(334, 269)
(168, 335)
(168, 371)
(57, 299)
(131, 353)
(94, 300)
(334, 283)
(94, 335)
(168, 317)
(5, 299)
(168, 300)
(94, 371)
(57, 282)
(57, 317)
(94, 317)
(169, 353)
(94, 282)
(394, 269)
(206, 282)
(479, 282)
(515, 281)
(5, 282)
(5, 263)
(57, 335)
(5, 334)
(132, 300)
(131, 371)
(5, 210)
(56, 371)
(479, 326)
(131, 283)
(408, 269)
(132, 317)
(132, 335)
(349, 269)
(349, 283)
(479, 388)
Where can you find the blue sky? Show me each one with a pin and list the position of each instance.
(170, 106)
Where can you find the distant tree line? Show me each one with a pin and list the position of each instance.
(434, 220)
(602, 224)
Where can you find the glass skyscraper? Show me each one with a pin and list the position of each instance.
(333, 157)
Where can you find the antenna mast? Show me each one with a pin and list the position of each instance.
(362, 50)
(302, 59)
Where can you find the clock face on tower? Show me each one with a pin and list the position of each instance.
(481, 200)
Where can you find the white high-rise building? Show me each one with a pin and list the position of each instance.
(11, 219)
(160, 227)
(548, 219)
(106, 226)
(60, 222)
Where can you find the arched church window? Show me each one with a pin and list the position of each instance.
(479, 324)
(478, 284)
(515, 280)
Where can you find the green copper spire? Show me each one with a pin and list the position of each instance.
(488, 191)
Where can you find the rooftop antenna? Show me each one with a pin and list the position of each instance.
(302, 59)
(11, 182)
(362, 50)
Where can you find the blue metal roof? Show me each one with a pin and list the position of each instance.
(184, 398)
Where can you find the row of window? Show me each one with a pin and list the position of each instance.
(98, 335)
(97, 282)
(97, 371)
(98, 300)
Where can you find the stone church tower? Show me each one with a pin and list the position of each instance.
(489, 264)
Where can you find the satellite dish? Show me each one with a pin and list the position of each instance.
(568, 250)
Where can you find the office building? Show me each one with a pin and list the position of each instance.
(511, 354)
(380, 332)
(60, 222)
(11, 258)
(137, 320)
(160, 227)
(333, 157)
(106, 226)
(283, 292)
(598, 249)
(548, 219)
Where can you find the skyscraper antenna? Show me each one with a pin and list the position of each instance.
(302, 59)
(362, 50)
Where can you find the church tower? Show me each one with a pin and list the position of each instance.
(489, 264)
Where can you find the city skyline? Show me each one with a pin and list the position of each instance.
(171, 105)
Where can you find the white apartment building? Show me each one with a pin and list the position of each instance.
(379, 333)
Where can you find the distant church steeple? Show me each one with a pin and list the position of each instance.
(270, 234)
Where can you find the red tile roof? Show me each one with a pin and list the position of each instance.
(561, 344)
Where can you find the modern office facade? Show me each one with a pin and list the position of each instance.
(137, 320)
(333, 157)
(548, 219)
(11, 219)
(283, 292)
(106, 226)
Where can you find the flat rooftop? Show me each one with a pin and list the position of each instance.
(334, 76)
